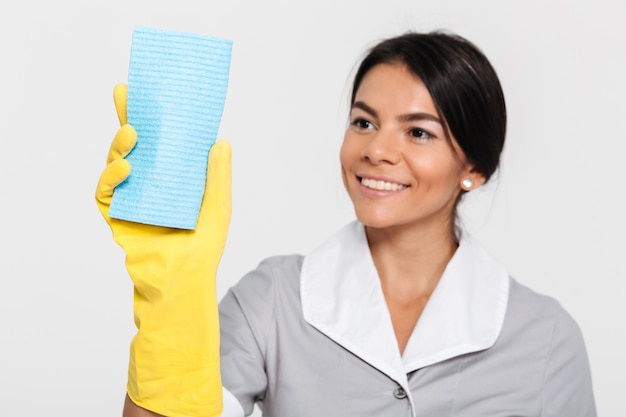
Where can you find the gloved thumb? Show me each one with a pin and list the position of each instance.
(120, 94)
(216, 206)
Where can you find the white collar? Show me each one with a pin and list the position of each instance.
(342, 298)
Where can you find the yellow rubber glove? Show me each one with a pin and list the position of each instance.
(174, 357)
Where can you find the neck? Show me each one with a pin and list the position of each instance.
(410, 262)
(412, 258)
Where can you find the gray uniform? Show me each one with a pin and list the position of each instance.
(535, 366)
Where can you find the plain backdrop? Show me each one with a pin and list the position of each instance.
(554, 215)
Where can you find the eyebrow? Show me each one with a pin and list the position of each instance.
(409, 117)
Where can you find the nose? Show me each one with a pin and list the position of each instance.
(383, 148)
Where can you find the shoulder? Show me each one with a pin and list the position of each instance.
(251, 309)
(537, 330)
(529, 309)
(275, 281)
(272, 274)
(549, 333)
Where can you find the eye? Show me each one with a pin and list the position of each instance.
(362, 124)
(420, 134)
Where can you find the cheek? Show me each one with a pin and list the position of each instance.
(343, 159)
(435, 171)
(348, 154)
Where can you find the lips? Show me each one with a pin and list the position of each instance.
(381, 185)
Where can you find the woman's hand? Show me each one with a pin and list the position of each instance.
(174, 360)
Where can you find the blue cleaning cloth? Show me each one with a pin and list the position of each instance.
(177, 86)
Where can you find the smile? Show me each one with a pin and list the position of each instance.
(382, 185)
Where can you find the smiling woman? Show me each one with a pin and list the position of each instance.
(401, 312)
(396, 140)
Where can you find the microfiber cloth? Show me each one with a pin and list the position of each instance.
(177, 84)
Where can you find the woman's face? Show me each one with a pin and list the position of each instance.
(397, 165)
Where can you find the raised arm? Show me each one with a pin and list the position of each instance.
(174, 357)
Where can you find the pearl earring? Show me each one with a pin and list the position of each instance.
(468, 183)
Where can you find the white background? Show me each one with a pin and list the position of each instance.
(554, 216)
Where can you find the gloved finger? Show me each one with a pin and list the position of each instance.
(120, 93)
(216, 203)
(114, 174)
(123, 142)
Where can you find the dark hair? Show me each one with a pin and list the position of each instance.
(462, 83)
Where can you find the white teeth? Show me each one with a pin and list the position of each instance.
(382, 185)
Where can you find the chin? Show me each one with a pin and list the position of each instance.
(375, 221)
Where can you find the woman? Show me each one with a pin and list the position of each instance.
(401, 313)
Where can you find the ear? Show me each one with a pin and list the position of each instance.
(471, 178)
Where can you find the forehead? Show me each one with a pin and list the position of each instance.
(394, 86)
